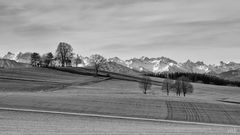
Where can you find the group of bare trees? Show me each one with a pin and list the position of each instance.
(181, 85)
(45, 60)
(64, 54)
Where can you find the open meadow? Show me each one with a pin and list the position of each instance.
(38, 79)
(114, 97)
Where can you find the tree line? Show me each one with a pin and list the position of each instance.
(65, 56)
(196, 77)
(180, 85)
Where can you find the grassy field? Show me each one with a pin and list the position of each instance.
(38, 79)
(124, 98)
(213, 93)
(136, 77)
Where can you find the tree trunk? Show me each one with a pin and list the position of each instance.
(96, 72)
(63, 64)
(144, 91)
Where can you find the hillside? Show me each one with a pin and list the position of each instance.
(233, 75)
(145, 64)
(6, 63)
(38, 79)
(110, 67)
(117, 68)
(116, 97)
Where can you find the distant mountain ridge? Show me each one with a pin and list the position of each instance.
(163, 64)
(155, 65)
(20, 57)
(6, 63)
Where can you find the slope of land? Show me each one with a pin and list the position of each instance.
(135, 76)
(124, 98)
(117, 68)
(37, 79)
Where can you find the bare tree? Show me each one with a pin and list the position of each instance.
(64, 53)
(187, 87)
(178, 87)
(47, 59)
(145, 84)
(35, 59)
(77, 60)
(168, 84)
(97, 61)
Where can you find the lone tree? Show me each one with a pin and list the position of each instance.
(47, 59)
(64, 53)
(145, 84)
(168, 84)
(35, 59)
(97, 61)
(187, 87)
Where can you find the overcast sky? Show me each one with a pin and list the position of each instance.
(207, 30)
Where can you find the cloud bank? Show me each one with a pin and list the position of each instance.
(205, 30)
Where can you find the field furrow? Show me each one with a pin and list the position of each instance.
(197, 112)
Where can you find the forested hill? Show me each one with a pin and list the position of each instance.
(199, 78)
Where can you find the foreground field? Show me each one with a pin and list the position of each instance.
(123, 98)
(87, 94)
(14, 122)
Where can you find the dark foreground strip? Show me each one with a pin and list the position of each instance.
(115, 117)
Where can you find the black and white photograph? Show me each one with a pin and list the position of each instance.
(119, 67)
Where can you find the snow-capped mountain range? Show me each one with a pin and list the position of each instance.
(163, 64)
(20, 57)
(155, 65)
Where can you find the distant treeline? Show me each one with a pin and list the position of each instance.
(196, 77)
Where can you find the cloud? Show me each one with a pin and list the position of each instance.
(127, 27)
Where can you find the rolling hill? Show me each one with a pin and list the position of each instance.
(140, 65)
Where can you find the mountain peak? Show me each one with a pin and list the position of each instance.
(188, 62)
(9, 56)
(114, 59)
(200, 63)
(143, 58)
